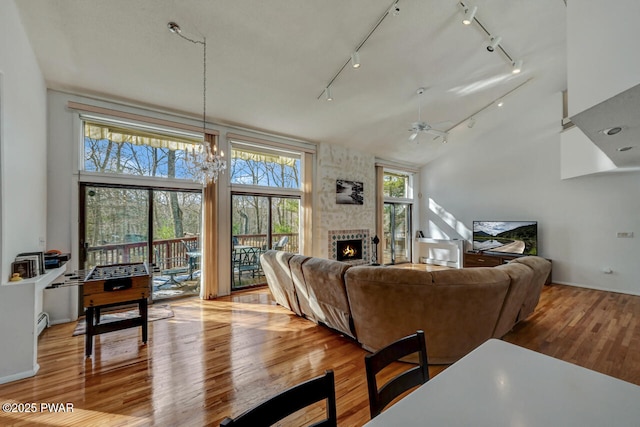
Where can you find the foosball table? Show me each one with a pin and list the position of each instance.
(114, 285)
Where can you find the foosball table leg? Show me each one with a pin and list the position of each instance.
(144, 314)
(88, 344)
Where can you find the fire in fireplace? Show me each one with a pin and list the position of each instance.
(349, 250)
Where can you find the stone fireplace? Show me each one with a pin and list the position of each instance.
(350, 246)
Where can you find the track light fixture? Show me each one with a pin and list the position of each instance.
(394, 9)
(469, 15)
(355, 59)
(495, 41)
(500, 102)
(174, 28)
(517, 66)
(471, 123)
(327, 92)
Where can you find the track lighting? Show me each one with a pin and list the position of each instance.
(355, 59)
(499, 102)
(327, 92)
(517, 66)
(495, 41)
(395, 9)
(471, 123)
(174, 28)
(469, 15)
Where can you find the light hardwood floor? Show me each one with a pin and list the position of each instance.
(218, 358)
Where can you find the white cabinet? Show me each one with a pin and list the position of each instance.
(21, 303)
(440, 252)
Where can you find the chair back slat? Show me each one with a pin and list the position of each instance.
(379, 398)
(290, 401)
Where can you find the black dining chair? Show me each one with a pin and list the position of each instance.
(379, 398)
(289, 401)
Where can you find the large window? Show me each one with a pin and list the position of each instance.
(139, 203)
(265, 207)
(129, 151)
(397, 217)
(252, 165)
(397, 185)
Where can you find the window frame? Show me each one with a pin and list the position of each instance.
(238, 188)
(410, 179)
(130, 179)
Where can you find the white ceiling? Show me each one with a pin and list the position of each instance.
(622, 110)
(268, 62)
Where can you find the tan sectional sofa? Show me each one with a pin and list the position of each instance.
(458, 309)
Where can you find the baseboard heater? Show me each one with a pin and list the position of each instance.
(43, 322)
(441, 252)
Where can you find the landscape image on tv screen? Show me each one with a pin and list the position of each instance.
(517, 237)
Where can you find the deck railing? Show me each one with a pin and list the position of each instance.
(172, 252)
(260, 241)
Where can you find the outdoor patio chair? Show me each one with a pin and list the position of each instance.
(246, 261)
(192, 249)
(169, 267)
(279, 245)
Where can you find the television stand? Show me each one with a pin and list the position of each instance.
(492, 259)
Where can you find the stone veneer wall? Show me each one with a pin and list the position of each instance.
(337, 162)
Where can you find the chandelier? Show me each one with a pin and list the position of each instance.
(209, 164)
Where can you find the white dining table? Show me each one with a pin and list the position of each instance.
(501, 384)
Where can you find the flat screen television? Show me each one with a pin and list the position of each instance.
(513, 237)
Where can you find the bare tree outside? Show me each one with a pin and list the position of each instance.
(127, 151)
(251, 212)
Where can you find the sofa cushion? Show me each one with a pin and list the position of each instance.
(295, 265)
(275, 265)
(519, 289)
(457, 309)
(324, 279)
(541, 268)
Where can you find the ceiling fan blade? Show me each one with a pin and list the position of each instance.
(442, 125)
(436, 132)
(413, 136)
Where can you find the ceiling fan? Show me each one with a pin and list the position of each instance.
(425, 127)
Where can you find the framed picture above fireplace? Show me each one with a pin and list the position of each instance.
(349, 192)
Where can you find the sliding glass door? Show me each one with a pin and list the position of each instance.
(397, 233)
(144, 225)
(175, 230)
(115, 226)
(260, 222)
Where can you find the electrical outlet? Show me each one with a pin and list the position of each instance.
(625, 234)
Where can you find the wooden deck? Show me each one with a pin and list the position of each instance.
(218, 358)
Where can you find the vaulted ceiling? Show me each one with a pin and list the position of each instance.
(268, 62)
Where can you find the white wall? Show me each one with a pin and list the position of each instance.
(24, 185)
(601, 51)
(512, 172)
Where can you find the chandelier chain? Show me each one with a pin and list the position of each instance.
(209, 164)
